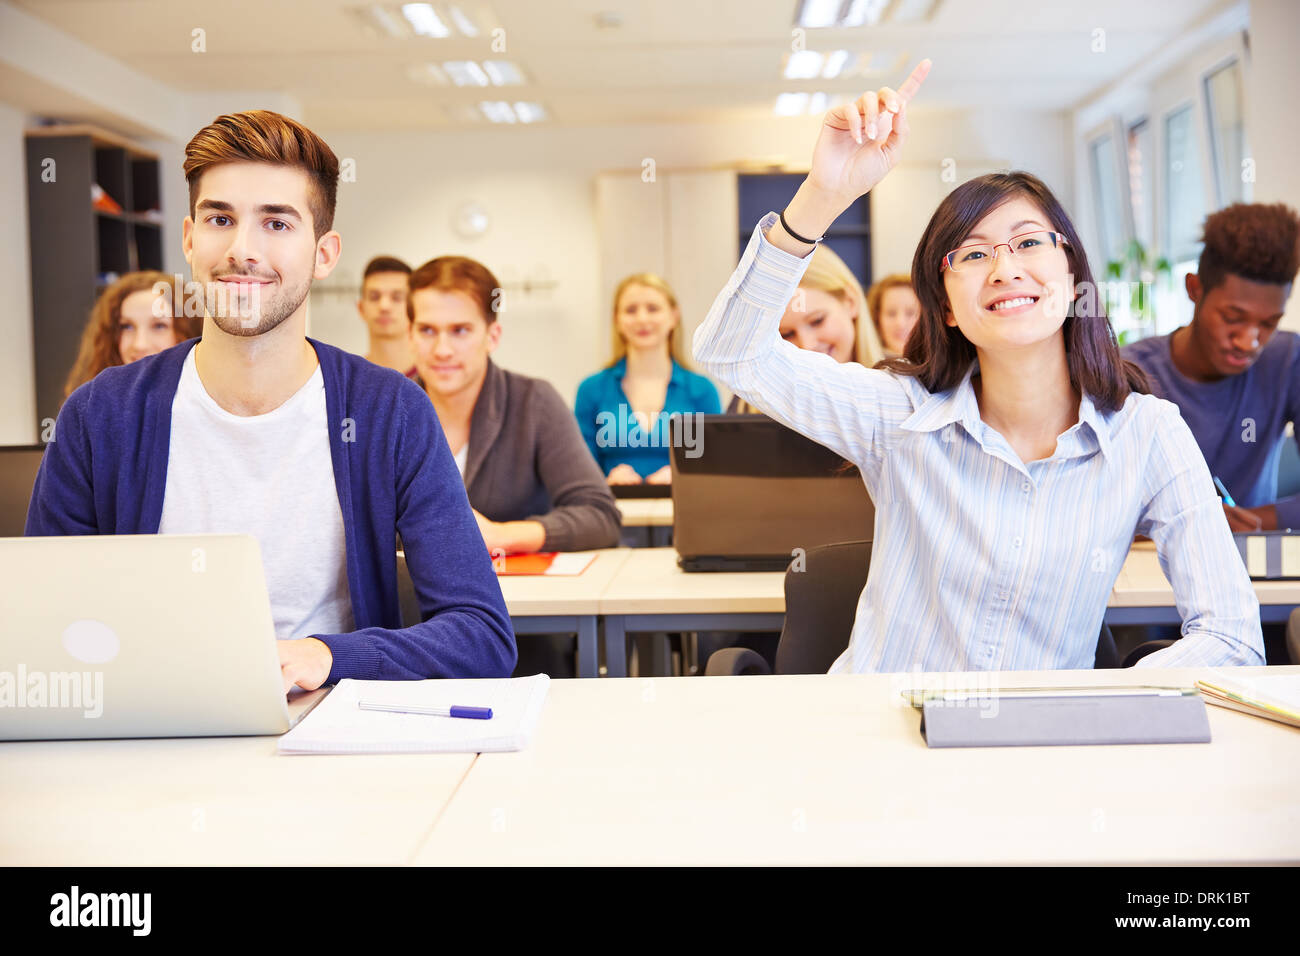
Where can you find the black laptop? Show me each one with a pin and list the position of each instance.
(748, 492)
(642, 490)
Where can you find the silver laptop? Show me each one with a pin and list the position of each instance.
(138, 636)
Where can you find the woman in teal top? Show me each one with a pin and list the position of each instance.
(625, 412)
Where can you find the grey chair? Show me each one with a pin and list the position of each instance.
(1288, 469)
(821, 602)
(18, 467)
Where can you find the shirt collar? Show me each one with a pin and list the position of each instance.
(1097, 422)
(958, 405)
(940, 409)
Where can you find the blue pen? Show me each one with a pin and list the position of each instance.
(1227, 498)
(472, 713)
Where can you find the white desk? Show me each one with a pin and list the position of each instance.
(562, 604)
(1143, 595)
(813, 769)
(647, 522)
(651, 593)
(833, 770)
(214, 802)
(646, 512)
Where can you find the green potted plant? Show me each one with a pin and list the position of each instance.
(1132, 281)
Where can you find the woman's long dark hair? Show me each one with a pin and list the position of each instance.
(939, 354)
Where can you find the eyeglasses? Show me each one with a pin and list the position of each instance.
(978, 256)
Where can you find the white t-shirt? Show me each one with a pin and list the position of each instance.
(269, 476)
(462, 459)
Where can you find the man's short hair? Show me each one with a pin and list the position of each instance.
(1255, 241)
(261, 136)
(384, 264)
(458, 274)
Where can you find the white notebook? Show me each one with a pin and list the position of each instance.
(338, 726)
(1275, 696)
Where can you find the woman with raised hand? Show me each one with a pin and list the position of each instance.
(1011, 453)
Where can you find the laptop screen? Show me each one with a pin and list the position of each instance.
(748, 492)
(752, 445)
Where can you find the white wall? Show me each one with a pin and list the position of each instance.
(1273, 84)
(944, 151)
(17, 371)
(540, 188)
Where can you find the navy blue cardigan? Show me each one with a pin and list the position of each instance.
(105, 472)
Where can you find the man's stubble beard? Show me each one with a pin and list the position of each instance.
(272, 312)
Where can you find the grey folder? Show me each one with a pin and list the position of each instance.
(1043, 720)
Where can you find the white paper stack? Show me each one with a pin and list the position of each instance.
(339, 726)
(1275, 697)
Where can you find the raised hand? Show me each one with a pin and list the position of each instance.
(859, 143)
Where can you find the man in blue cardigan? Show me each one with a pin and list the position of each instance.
(256, 429)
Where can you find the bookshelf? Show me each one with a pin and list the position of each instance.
(76, 248)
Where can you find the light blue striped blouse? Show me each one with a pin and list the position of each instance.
(981, 562)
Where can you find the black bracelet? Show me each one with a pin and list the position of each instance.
(794, 235)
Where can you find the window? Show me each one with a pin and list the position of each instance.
(1108, 199)
(1227, 132)
(1141, 182)
(1184, 194)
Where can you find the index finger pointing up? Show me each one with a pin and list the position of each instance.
(913, 82)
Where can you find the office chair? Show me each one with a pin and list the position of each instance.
(1142, 650)
(1293, 636)
(18, 467)
(821, 602)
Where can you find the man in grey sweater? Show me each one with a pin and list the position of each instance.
(531, 481)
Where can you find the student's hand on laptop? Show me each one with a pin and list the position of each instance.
(664, 476)
(305, 662)
(1263, 518)
(624, 475)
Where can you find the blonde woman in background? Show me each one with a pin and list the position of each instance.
(827, 314)
(895, 310)
(623, 411)
(129, 321)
